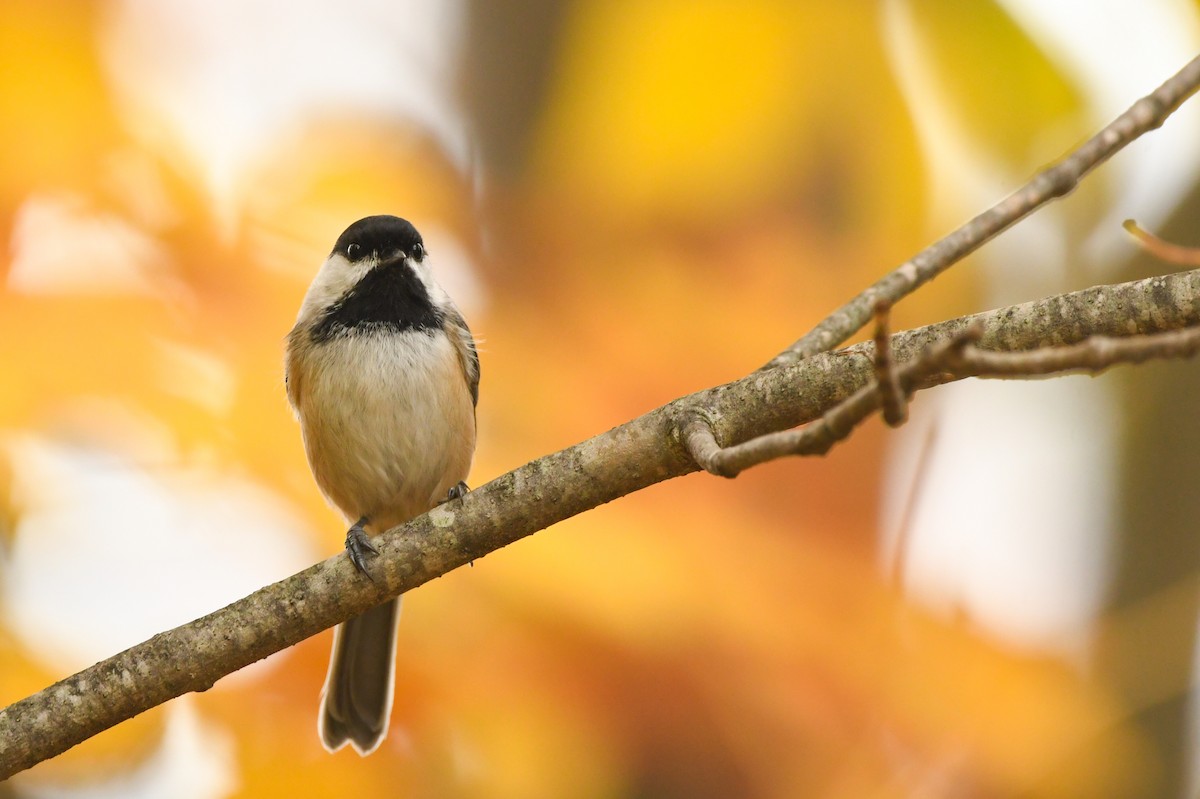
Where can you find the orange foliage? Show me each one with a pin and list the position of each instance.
(701, 188)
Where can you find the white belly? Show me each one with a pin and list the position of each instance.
(388, 423)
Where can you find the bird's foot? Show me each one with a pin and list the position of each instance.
(359, 546)
(457, 491)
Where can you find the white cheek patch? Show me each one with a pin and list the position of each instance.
(437, 296)
(336, 277)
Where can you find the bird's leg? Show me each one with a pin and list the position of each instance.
(358, 546)
(457, 491)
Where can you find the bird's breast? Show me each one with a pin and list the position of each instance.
(388, 422)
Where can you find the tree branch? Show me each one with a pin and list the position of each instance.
(836, 425)
(550, 489)
(1053, 182)
(1153, 305)
(955, 358)
(1092, 355)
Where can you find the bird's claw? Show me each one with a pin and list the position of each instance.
(359, 546)
(457, 491)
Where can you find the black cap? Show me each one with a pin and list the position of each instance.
(381, 235)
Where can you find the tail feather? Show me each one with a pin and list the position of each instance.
(356, 702)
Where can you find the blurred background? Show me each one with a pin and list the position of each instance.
(630, 201)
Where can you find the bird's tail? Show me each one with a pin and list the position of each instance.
(356, 702)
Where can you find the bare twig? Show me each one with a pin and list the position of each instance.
(891, 397)
(818, 437)
(955, 358)
(888, 392)
(1055, 181)
(1162, 249)
(1051, 183)
(702, 444)
(1092, 355)
(1152, 305)
(1146, 306)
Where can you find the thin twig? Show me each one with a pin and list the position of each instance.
(1163, 249)
(893, 400)
(1093, 355)
(701, 443)
(1051, 183)
(810, 387)
(818, 437)
(955, 358)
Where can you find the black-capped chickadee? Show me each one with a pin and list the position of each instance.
(383, 375)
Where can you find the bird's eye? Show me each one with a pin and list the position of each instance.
(353, 251)
(418, 252)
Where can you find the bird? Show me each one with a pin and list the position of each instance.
(382, 373)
